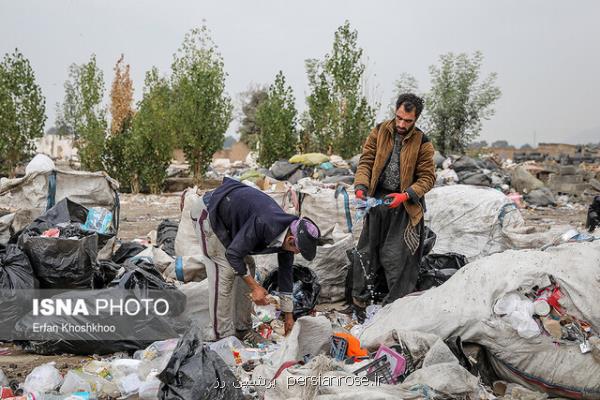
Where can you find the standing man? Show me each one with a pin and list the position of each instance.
(397, 165)
(234, 222)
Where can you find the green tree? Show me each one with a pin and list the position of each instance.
(203, 108)
(339, 116)
(248, 129)
(82, 112)
(459, 100)
(153, 134)
(22, 111)
(276, 121)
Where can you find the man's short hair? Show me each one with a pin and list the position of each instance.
(410, 101)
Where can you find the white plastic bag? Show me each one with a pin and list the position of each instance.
(44, 378)
(75, 382)
(39, 163)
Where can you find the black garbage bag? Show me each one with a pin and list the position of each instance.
(67, 261)
(306, 289)
(145, 281)
(283, 169)
(429, 241)
(165, 236)
(127, 250)
(16, 278)
(476, 178)
(91, 334)
(436, 269)
(195, 372)
(296, 176)
(61, 263)
(465, 163)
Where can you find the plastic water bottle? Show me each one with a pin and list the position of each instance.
(363, 206)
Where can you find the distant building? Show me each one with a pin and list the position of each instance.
(57, 147)
(237, 152)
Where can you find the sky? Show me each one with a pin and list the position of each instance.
(545, 52)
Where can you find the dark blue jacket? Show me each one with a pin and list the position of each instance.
(246, 221)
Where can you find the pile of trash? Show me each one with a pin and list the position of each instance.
(532, 314)
(328, 169)
(499, 310)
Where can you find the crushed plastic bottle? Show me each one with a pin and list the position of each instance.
(363, 206)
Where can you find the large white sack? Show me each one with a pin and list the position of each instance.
(463, 306)
(27, 197)
(320, 204)
(477, 221)
(196, 306)
(187, 242)
(187, 269)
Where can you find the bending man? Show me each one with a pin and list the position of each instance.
(234, 222)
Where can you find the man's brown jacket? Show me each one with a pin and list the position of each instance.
(417, 169)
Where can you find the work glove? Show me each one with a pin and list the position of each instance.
(360, 192)
(393, 200)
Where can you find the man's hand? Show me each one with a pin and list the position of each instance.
(393, 200)
(288, 323)
(360, 192)
(260, 295)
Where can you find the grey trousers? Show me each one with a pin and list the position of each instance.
(229, 303)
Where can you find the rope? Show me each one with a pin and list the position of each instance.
(341, 189)
(51, 198)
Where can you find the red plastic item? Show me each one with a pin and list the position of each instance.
(6, 392)
(554, 298)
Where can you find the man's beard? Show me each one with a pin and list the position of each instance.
(401, 131)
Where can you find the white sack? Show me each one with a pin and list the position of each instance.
(463, 306)
(477, 221)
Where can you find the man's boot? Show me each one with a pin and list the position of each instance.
(360, 310)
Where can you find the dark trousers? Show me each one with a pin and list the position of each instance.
(387, 259)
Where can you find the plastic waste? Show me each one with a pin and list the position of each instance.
(98, 220)
(193, 371)
(74, 382)
(226, 348)
(50, 396)
(371, 310)
(123, 366)
(265, 313)
(363, 206)
(3, 379)
(150, 387)
(155, 357)
(44, 378)
(97, 374)
(53, 232)
(518, 311)
(128, 384)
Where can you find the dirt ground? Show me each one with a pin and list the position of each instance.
(140, 214)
